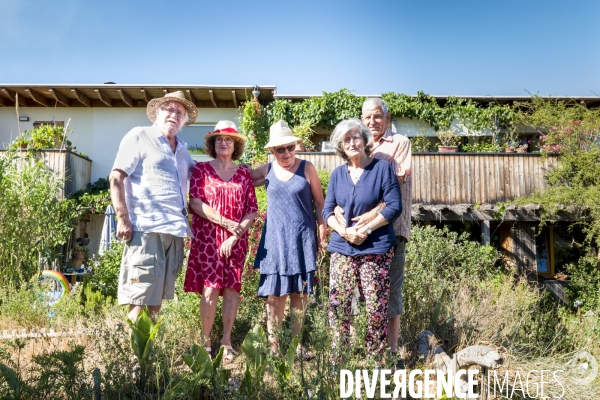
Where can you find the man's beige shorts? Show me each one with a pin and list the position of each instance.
(149, 267)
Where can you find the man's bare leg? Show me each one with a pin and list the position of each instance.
(135, 310)
(393, 333)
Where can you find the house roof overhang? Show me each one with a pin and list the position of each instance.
(116, 95)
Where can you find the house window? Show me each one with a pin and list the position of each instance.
(37, 124)
(193, 135)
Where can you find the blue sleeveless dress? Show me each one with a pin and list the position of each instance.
(287, 252)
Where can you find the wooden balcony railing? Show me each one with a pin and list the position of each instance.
(465, 178)
(74, 169)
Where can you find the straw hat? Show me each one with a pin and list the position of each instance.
(179, 97)
(225, 128)
(280, 134)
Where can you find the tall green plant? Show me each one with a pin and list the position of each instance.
(255, 350)
(32, 221)
(143, 332)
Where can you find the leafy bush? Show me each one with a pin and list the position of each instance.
(585, 282)
(438, 263)
(95, 197)
(448, 137)
(106, 270)
(32, 221)
(564, 126)
(484, 145)
(421, 143)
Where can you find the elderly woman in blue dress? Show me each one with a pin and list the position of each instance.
(287, 251)
(361, 253)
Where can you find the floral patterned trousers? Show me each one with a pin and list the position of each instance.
(371, 274)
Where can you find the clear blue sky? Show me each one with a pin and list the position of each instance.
(470, 47)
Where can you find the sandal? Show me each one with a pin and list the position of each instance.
(208, 349)
(228, 353)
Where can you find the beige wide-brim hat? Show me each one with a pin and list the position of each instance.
(225, 128)
(280, 134)
(179, 97)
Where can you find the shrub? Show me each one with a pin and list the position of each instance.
(32, 221)
(585, 282)
(106, 270)
(439, 263)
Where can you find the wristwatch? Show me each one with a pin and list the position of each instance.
(368, 230)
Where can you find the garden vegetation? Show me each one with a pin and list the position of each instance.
(460, 290)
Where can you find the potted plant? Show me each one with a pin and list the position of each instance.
(80, 253)
(49, 137)
(305, 132)
(449, 140)
(21, 143)
(561, 276)
(511, 145)
(420, 143)
(511, 142)
(522, 148)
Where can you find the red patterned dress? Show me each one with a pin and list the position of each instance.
(232, 199)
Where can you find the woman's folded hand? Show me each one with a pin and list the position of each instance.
(227, 246)
(354, 237)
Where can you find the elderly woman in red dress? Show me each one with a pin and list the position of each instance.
(223, 204)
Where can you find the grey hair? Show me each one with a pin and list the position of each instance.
(345, 126)
(374, 102)
(185, 119)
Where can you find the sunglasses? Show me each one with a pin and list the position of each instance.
(289, 148)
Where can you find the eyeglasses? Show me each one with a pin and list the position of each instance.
(226, 140)
(355, 139)
(173, 110)
(289, 148)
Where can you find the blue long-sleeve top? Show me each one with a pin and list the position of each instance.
(376, 183)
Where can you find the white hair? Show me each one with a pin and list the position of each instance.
(374, 102)
(348, 125)
(186, 117)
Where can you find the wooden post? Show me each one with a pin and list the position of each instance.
(524, 250)
(97, 388)
(485, 232)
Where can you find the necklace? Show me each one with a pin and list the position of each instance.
(356, 175)
(294, 163)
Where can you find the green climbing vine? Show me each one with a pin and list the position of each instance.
(327, 110)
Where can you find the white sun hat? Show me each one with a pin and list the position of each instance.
(280, 134)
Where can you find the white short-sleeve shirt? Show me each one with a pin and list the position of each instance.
(156, 182)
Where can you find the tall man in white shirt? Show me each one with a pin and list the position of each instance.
(148, 185)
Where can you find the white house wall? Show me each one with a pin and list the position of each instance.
(412, 127)
(98, 131)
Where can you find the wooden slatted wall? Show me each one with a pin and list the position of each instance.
(465, 178)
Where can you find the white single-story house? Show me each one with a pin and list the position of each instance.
(100, 115)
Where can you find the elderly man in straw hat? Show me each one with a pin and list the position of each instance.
(148, 185)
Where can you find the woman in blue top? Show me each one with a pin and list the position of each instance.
(287, 252)
(361, 253)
